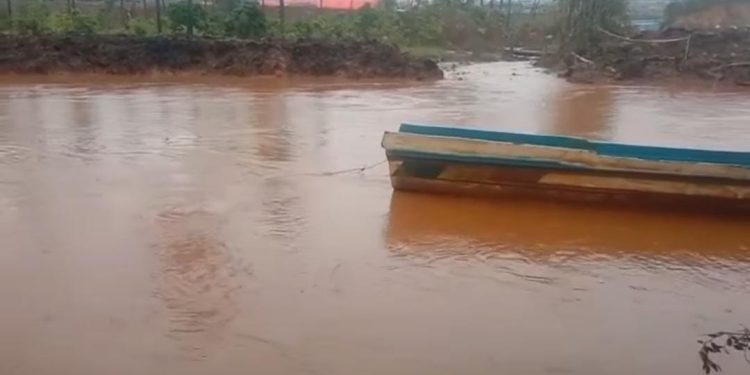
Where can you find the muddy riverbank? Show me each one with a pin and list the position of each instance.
(719, 56)
(120, 54)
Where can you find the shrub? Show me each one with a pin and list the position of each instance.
(580, 21)
(246, 21)
(142, 26)
(370, 23)
(422, 27)
(33, 18)
(183, 16)
(74, 23)
(331, 26)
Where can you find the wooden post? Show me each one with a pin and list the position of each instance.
(10, 14)
(158, 16)
(510, 9)
(509, 30)
(122, 13)
(73, 4)
(282, 14)
(145, 8)
(191, 21)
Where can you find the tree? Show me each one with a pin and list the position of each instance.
(158, 16)
(185, 16)
(723, 342)
(122, 14)
(191, 19)
(247, 21)
(582, 21)
(10, 14)
(534, 7)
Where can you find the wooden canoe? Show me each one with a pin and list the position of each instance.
(471, 161)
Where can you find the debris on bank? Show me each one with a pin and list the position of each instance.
(717, 55)
(125, 54)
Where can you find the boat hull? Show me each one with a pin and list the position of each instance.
(455, 165)
(510, 187)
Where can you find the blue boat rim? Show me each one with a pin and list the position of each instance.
(656, 153)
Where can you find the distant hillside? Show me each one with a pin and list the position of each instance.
(706, 14)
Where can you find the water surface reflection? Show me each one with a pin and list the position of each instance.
(188, 226)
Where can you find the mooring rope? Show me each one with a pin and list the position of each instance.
(686, 39)
(335, 172)
(349, 170)
(643, 40)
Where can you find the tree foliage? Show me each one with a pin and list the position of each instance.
(440, 24)
(33, 18)
(75, 23)
(581, 22)
(246, 21)
(143, 26)
(453, 24)
(723, 342)
(184, 16)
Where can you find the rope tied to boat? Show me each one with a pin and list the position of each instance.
(358, 170)
(350, 170)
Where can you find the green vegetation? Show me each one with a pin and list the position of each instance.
(185, 17)
(34, 18)
(476, 25)
(582, 21)
(443, 23)
(439, 25)
(246, 21)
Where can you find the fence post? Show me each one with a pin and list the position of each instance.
(122, 13)
(10, 15)
(191, 20)
(158, 16)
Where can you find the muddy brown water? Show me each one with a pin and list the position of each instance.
(188, 226)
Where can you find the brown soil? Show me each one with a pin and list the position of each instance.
(120, 54)
(719, 56)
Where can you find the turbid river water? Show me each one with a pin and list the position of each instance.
(192, 226)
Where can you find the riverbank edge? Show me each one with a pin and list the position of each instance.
(141, 55)
(717, 57)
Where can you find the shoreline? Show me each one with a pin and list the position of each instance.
(128, 55)
(719, 58)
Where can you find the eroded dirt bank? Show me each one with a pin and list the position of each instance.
(719, 56)
(117, 54)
